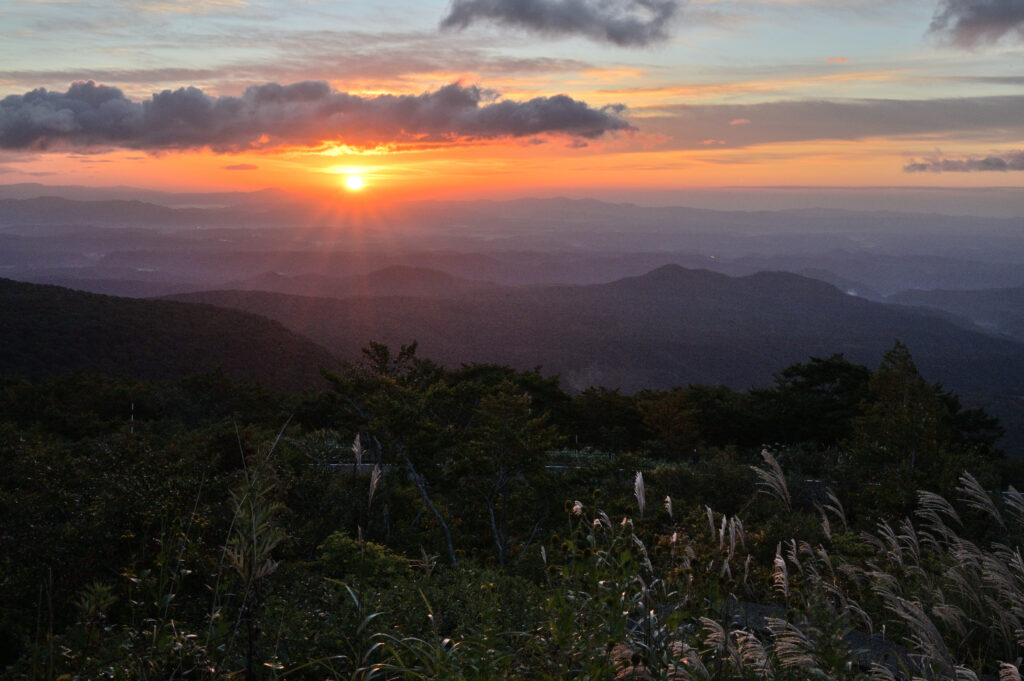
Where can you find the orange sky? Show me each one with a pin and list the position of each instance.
(505, 170)
(713, 93)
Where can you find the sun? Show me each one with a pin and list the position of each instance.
(354, 183)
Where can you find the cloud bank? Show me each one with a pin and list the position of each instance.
(795, 121)
(272, 115)
(1013, 160)
(627, 23)
(970, 23)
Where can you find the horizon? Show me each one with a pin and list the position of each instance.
(921, 199)
(400, 101)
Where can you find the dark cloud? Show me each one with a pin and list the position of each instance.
(969, 23)
(622, 22)
(1013, 160)
(302, 114)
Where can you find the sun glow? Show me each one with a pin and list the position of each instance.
(354, 183)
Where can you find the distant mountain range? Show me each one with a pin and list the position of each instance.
(35, 190)
(48, 331)
(548, 226)
(394, 280)
(998, 311)
(672, 326)
(95, 259)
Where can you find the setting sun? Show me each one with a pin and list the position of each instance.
(354, 183)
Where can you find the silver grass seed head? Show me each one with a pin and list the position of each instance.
(1009, 672)
(357, 449)
(375, 477)
(638, 492)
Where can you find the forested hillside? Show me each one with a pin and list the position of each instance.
(411, 521)
(996, 310)
(670, 327)
(49, 331)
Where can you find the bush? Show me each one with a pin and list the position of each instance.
(343, 557)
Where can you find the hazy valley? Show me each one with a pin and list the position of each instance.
(612, 295)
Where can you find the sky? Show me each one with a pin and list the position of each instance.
(641, 99)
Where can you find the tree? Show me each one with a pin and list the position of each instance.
(725, 417)
(503, 450)
(672, 419)
(907, 419)
(389, 397)
(476, 429)
(607, 419)
(817, 401)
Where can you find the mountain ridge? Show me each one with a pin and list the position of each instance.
(49, 331)
(757, 323)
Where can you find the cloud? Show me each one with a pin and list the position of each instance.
(184, 7)
(1013, 160)
(241, 166)
(622, 22)
(302, 114)
(129, 75)
(991, 118)
(740, 121)
(350, 57)
(837, 60)
(988, 80)
(970, 23)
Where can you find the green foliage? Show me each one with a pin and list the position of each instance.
(250, 547)
(179, 547)
(817, 401)
(500, 460)
(671, 418)
(907, 420)
(344, 558)
(606, 419)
